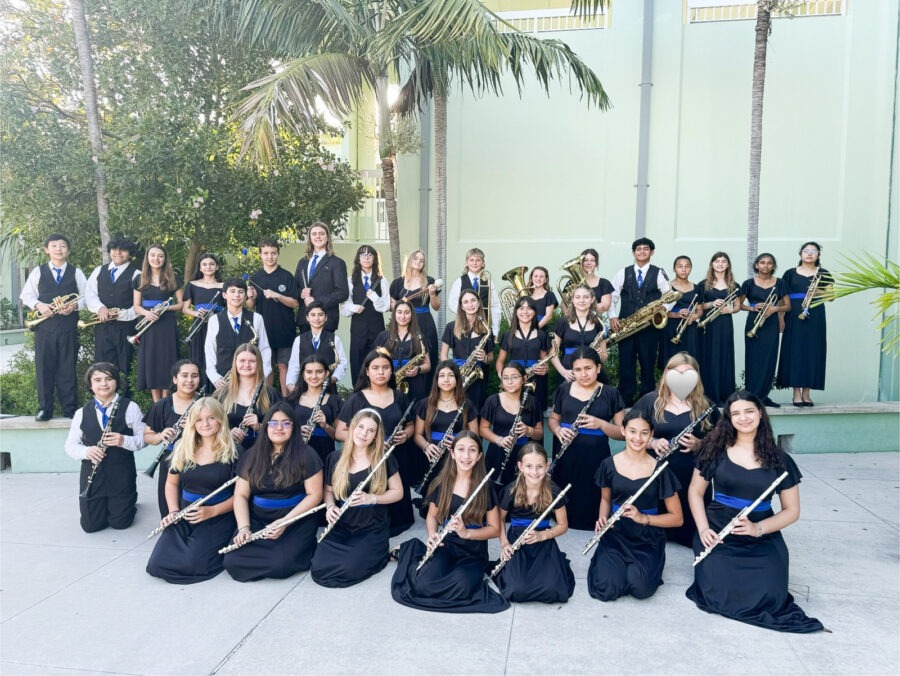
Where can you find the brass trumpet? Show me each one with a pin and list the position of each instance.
(113, 315)
(145, 323)
(567, 283)
(717, 310)
(510, 294)
(653, 313)
(683, 324)
(57, 305)
(762, 313)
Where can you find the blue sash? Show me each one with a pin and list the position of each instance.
(740, 503)
(459, 362)
(570, 350)
(399, 362)
(319, 432)
(468, 525)
(422, 309)
(615, 508)
(539, 318)
(525, 362)
(151, 303)
(215, 307)
(281, 503)
(797, 296)
(437, 436)
(524, 523)
(214, 500)
(582, 430)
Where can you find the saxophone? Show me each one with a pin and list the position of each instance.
(554, 351)
(401, 373)
(652, 313)
(470, 370)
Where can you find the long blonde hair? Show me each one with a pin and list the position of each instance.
(520, 489)
(329, 244)
(570, 312)
(230, 393)
(697, 399)
(183, 454)
(408, 271)
(340, 478)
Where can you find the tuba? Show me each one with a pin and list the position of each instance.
(653, 313)
(510, 294)
(567, 283)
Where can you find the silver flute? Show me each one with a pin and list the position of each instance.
(199, 502)
(275, 525)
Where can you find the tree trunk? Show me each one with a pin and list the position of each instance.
(763, 22)
(190, 262)
(440, 186)
(388, 186)
(86, 62)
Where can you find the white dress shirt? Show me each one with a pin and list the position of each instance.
(456, 292)
(618, 281)
(75, 447)
(293, 372)
(30, 293)
(209, 347)
(381, 299)
(92, 293)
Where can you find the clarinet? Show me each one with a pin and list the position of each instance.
(282, 523)
(731, 524)
(251, 409)
(199, 502)
(360, 487)
(676, 440)
(621, 510)
(318, 406)
(448, 435)
(179, 430)
(445, 531)
(526, 391)
(102, 446)
(520, 541)
(575, 427)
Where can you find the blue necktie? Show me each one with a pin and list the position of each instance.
(237, 326)
(112, 274)
(102, 410)
(58, 272)
(312, 266)
(640, 278)
(475, 284)
(366, 282)
(315, 342)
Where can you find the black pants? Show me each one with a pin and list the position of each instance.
(112, 502)
(55, 353)
(641, 349)
(110, 345)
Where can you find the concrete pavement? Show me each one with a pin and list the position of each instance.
(74, 603)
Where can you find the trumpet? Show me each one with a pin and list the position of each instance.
(810, 294)
(145, 323)
(401, 373)
(95, 319)
(418, 293)
(510, 294)
(57, 305)
(652, 313)
(762, 313)
(200, 321)
(683, 324)
(567, 283)
(716, 311)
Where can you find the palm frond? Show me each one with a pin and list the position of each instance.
(585, 8)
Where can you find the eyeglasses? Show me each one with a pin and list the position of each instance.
(366, 254)
(810, 251)
(511, 379)
(280, 424)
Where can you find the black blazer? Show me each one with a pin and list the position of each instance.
(327, 285)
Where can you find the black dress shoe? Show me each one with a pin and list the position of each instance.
(808, 404)
(799, 404)
(772, 404)
(43, 415)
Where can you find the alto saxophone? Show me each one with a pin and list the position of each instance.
(652, 313)
(470, 370)
(401, 374)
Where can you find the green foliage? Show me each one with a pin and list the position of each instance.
(9, 315)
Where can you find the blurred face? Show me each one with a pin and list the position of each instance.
(524, 313)
(637, 434)
(103, 386)
(683, 268)
(156, 257)
(745, 416)
(319, 237)
(235, 297)
(280, 431)
(402, 315)
(720, 264)
(57, 249)
(588, 263)
(446, 380)
(269, 256)
(538, 278)
(118, 256)
(417, 261)
(470, 304)
(366, 260)
(187, 380)
(316, 318)
(475, 264)
(582, 300)
(512, 380)
(809, 254)
(364, 432)
(208, 267)
(466, 453)
(585, 372)
(765, 266)
(314, 375)
(379, 371)
(642, 254)
(534, 468)
(207, 424)
(246, 364)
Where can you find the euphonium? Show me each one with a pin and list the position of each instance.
(510, 294)
(653, 313)
(113, 315)
(567, 283)
(57, 305)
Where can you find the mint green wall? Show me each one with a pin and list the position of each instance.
(533, 181)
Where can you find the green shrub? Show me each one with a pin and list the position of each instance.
(9, 315)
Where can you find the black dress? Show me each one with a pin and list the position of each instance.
(761, 352)
(201, 298)
(453, 580)
(803, 345)
(238, 411)
(401, 513)
(746, 578)
(541, 305)
(571, 339)
(187, 553)
(435, 435)
(604, 286)
(320, 441)
(526, 350)
(680, 464)
(583, 457)
(717, 351)
(462, 348)
(357, 547)
(501, 422)
(420, 384)
(291, 552)
(540, 572)
(422, 307)
(690, 338)
(630, 557)
(158, 346)
(160, 416)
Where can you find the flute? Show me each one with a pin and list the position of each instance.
(445, 531)
(199, 502)
(621, 510)
(275, 525)
(448, 436)
(731, 524)
(517, 545)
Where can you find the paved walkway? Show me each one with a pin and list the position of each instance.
(74, 603)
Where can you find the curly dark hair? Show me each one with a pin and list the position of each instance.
(724, 435)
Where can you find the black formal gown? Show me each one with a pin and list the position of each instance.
(453, 581)
(690, 337)
(526, 350)
(571, 339)
(501, 423)
(419, 385)
(238, 411)
(289, 554)
(717, 352)
(541, 304)
(583, 457)
(630, 557)
(422, 307)
(803, 345)
(761, 352)
(401, 513)
(187, 553)
(680, 464)
(158, 346)
(540, 572)
(320, 441)
(160, 416)
(201, 299)
(746, 578)
(357, 547)
(461, 349)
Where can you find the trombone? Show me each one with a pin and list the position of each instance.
(484, 281)
(145, 323)
(57, 305)
(94, 319)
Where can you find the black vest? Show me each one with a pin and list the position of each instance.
(91, 430)
(369, 316)
(633, 297)
(227, 340)
(48, 289)
(325, 351)
(115, 294)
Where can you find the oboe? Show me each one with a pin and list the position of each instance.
(676, 440)
(360, 487)
(102, 446)
(272, 527)
(520, 541)
(199, 502)
(445, 531)
(445, 440)
(179, 430)
(526, 391)
(731, 524)
(575, 428)
(621, 510)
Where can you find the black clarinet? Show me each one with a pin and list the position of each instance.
(251, 409)
(179, 430)
(448, 435)
(107, 428)
(526, 391)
